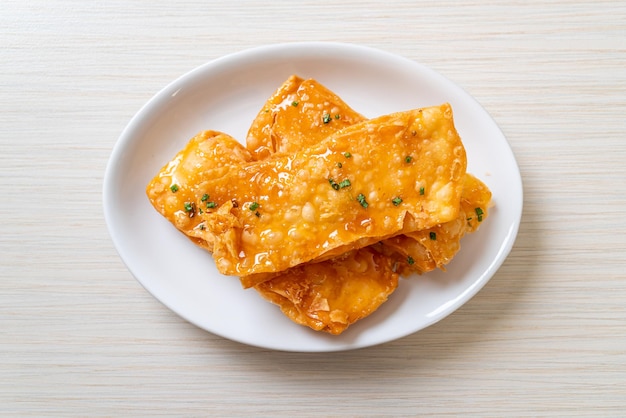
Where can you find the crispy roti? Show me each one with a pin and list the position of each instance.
(429, 249)
(279, 128)
(340, 283)
(330, 296)
(340, 194)
(173, 191)
(299, 114)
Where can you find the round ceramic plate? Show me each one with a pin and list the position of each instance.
(225, 95)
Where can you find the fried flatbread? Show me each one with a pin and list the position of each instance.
(279, 127)
(429, 249)
(299, 114)
(173, 191)
(337, 195)
(330, 296)
(289, 121)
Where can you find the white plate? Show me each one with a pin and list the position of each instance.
(225, 94)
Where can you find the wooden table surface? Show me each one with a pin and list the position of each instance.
(80, 337)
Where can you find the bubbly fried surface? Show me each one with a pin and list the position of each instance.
(332, 294)
(173, 191)
(338, 194)
(319, 186)
(280, 127)
(299, 114)
(329, 296)
(426, 250)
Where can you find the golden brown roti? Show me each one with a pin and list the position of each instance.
(279, 128)
(329, 296)
(194, 192)
(173, 191)
(337, 195)
(423, 251)
(299, 114)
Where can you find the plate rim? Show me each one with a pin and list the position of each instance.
(300, 47)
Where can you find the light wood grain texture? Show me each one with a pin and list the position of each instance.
(80, 337)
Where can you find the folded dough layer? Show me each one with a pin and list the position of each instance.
(330, 296)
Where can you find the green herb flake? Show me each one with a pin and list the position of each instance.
(479, 214)
(174, 188)
(205, 197)
(295, 103)
(326, 118)
(190, 208)
(408, 159)
(344, 183)
(201, 226)
(422, 191)
(396, 201)
(254, 206)
(410, 260)
(361, 200)
(433, 236)
(337, 116)
(347, 155)
(339, 165)
(211, 205)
